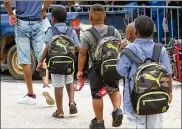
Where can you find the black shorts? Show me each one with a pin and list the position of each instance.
(96, 83)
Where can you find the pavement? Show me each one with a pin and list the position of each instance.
(14, 115)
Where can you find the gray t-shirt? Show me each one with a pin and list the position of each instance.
(88, 41)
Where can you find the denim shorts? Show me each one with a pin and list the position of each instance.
(29, 36)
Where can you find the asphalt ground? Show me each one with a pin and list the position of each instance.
(14, 115)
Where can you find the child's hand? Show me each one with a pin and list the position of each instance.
(123, 44)
(79, 75)
(39, 67)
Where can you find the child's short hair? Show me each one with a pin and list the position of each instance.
(144, 25)
(97, 12)
(59, 13)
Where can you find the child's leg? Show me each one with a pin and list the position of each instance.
(116, 102)
(155, 121)
(70, 87)
(70, 91)
(58, 82)
(59, 99)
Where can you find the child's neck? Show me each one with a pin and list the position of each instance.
(98, 25)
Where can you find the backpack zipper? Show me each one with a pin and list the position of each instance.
(61, 62)
(60, 56)
(144, 101)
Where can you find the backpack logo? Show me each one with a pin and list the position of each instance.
(151, 78)
(61, 45)
(69, 70)
(164, 109)
(109, 45)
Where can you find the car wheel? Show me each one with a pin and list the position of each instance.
(15, 69)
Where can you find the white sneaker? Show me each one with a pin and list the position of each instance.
(27, 100)
(48, 95)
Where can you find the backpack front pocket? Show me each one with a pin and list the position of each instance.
(108, 69)
(152, 103)
(61, 65)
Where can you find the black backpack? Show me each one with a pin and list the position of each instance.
(61, 53)
(106, 54)
(150, 93)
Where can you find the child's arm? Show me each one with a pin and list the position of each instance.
(40, 65)
(166, 62)
(76, 41)
(44, 55)
(170, 88)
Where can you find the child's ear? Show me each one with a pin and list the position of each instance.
(90, 18)
(53, 20)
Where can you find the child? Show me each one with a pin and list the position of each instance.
(89, 43)
(143, 48)
(130, 35)
(59, 15)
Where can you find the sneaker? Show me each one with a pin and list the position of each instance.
(48, 95)
(28, 99)
(117, 118)
(96, 125)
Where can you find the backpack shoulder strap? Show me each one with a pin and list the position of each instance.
(110, 31)
(95, 34)
(131, 55)
(157, 52)
(54, 30)
(68, 31)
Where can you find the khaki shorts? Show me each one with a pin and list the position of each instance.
(61, 80)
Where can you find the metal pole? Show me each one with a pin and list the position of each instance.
(164, 25)
(178, 21)
(158, 25)
(171, 23)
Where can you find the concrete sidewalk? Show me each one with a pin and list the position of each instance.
(14, 115)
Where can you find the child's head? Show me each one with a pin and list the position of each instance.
(130, 32)
(144, 27)
(59, 14)
(97, 14)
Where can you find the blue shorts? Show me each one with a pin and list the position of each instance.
(29, 36)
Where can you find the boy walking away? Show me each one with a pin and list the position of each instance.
(101, 48)
(60, 54)
(147, 71)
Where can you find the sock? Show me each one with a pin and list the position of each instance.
(32, 95)
(46, 85)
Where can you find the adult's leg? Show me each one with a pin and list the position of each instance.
(39, 45)
(28, 78)
(23, 50)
